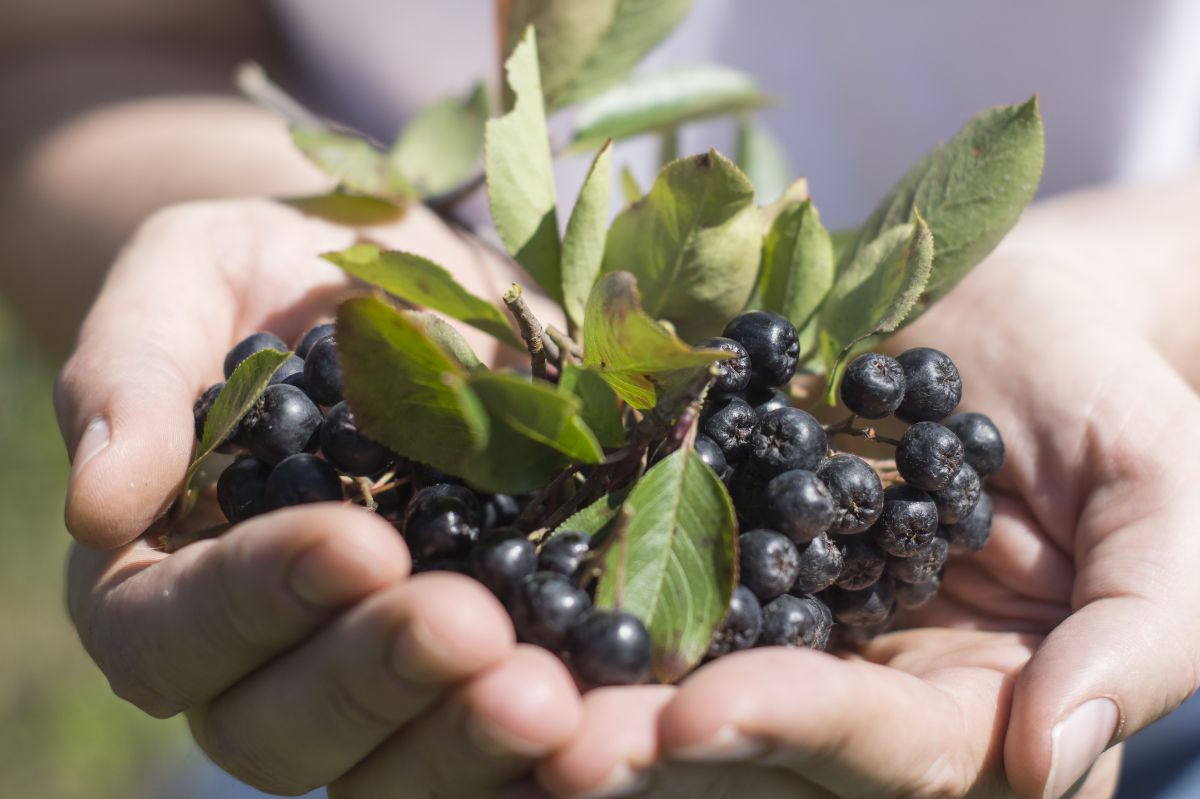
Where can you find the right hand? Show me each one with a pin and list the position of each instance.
(297, 644)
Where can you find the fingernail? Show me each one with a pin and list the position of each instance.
(498, 742)
(96, 436)
(334, 572)
(418, 657)
(621, 781)
(1078, 741)
(728, 744)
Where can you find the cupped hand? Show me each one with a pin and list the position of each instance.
(298, 645)
(1070, 631)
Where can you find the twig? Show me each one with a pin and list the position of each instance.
(531, 330)
(445, 204)
(847, 428)
(565, 344)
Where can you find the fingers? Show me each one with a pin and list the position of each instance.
(486, 735)
(179, 296)
(171, 632)
(851, 727)
(304, 720)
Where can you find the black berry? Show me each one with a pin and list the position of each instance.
(929, 456)
(500, 510)
(564, 553)
(863, 562)
(323, 373)
(300, 479)
(922, 566)
(862, 608)
(908, 523)
(608, 647)
(348, 450)
(730, 423)
(241, 487)
(796, 621)
(983, 447)
(820, 566)
(291, 372)
(765, 400)
(797, 504)
(856, 490)
(741, 625)
(769, 563)
(956, 501)
(283, 422)
(786, 439)
(255, 342)
(712, 455)
(442, 521)
(501, 562)
(772, 343)
(312, 336)
(972, 533)
(545, 607)
(733, 374)
(932, 385)
(873, 385)
(913, 595)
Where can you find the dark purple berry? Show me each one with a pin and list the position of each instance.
(769, 563)
(956, 501)
(733, 374)
(922, 566)
(608, 647)
(741, 625)
(786, 439)
(425, 475)
(863, 562)
(857, 493)
(501, 562)
(323, 372)
(908, 523)
(772, 343)
(797, 504)
(564, 553)
(983, 447)
(929, 456)
(283, 422)
(873, 385)
(545, 607)
(820, 566)
(312, 336)
(861, 608)
(442, 521)
(348, 450)
(255, 342)
(972, 533)
(932, 385)
(730, 423)
(765, 400)
(711, 454)
(913, 595)
(241, 487)
(300, 479)
(796, 621)
(500, 510)
(291, 372)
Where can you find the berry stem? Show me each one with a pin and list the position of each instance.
(847, 428)
(531, 330)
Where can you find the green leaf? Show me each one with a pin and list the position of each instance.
(633, 31)
(694, 244)
(351, 160)
(437, 150)
(598, 401)
(422, 282)
(583, 242)
(637, 356)
(520, 175)
(567, 34)
(345, 208)
(762, 157)
(971, 190)
(797, 266)
(675, 564)
(875, 293)
(444, 334)
(662, 101)
(630, 189)
(405, 391)
(535, 431)
(842, 240)
(241, 391)
(595, 517)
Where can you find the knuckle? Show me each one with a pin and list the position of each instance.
(229, 747)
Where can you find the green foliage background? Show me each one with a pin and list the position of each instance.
(63, 735)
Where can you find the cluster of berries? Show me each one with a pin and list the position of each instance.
(824, 539)
(299, 444)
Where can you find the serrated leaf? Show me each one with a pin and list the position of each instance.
(406, 392)
(567, 33)
(634, 30)
(764, 160)
(520, 174)
(598, 403)
(241, 391)
(350, 160)
(344, 208)
(971, 190)
(593, 519)
(875, 293)
(693, 243)
(797, 267)
(662, 101)
(635, 355)
(422, 282)
(535, 431)
(583, 242)
(675, 564)
(630, 189)
(437, 150)
(443, 334)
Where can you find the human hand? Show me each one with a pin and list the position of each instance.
(1061, 638)
(297, 644)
